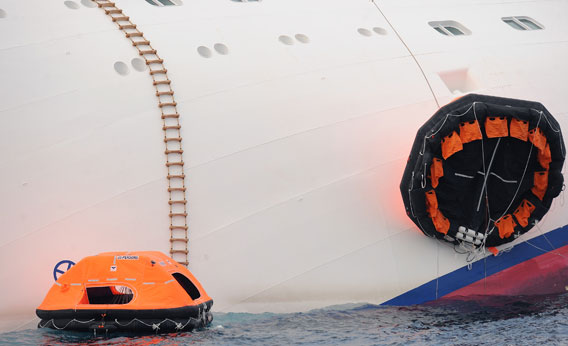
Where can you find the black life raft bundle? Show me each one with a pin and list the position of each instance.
(483, 170)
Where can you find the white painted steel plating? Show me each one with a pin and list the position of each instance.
(293, 153)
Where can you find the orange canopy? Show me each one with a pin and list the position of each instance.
(155, 280)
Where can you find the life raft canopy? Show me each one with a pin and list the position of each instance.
(134, 291)
(484, 170)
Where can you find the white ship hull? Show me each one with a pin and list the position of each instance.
(293, 153)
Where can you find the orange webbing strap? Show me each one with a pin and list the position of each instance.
(451, 144)
(523, 212)
(493, 250)
(470, 131)
(506, 226)
(540, 184)
(431, 203)
(496, 127)
(545, 157)
(519, 129)
(441, 223)
(537, 138)
(436, 171)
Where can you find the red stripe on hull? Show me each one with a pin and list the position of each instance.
(544, 274)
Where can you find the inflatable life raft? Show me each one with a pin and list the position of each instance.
(483, 170)
(130, 291)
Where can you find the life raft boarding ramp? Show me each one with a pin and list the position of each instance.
(129, 291)
(179, 237)
(483, 170)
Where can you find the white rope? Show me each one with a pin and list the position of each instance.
(442, 126)
(483, 187)
(68, 323)
(156, 326)
(473, 252)
(522, 176)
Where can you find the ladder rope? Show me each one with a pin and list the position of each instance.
(179, 233)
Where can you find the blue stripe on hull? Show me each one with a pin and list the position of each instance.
(482, 268)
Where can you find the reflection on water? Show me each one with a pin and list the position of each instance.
(491, 321)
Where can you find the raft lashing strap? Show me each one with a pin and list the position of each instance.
(504, 154)
(171, 126)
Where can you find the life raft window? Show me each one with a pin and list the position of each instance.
(109, 295)
(522, 23)
(187, 285)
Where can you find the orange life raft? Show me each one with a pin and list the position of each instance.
(134, 291)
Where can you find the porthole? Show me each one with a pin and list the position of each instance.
(138, 64)
(364, 32)
(221, 48)
(379, 31)
(121, 68)
(71, 4)
(302, 38)
(204, 51)
(88, 3)
(287, 40)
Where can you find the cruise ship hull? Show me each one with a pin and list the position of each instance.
(297, 119)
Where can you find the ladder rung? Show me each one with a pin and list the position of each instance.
(178, 227)
(155, 61)
(176, 151)
(152, 72)
(170, 139)
(179, 251)
(167, 81)
(177, 202)
(134, 34)
(170, 189)
(179, 239)
(161, 93)
(108, 4)
(173, 127)
(141, 43)
(183, 262)
(164, 116)
(150, 51)
(167, 104)
(178, 176)
(174, 163)
(113, 11)
(178, 214)
(120, 19)
(127, 26)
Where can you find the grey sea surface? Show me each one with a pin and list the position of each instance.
(541, 320)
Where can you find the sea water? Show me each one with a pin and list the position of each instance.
(539, 320)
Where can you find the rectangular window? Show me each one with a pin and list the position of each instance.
(450, 28)
(165, 2)
(522, 23)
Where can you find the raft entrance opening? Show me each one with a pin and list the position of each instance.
(109, 295)
(187, 285)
